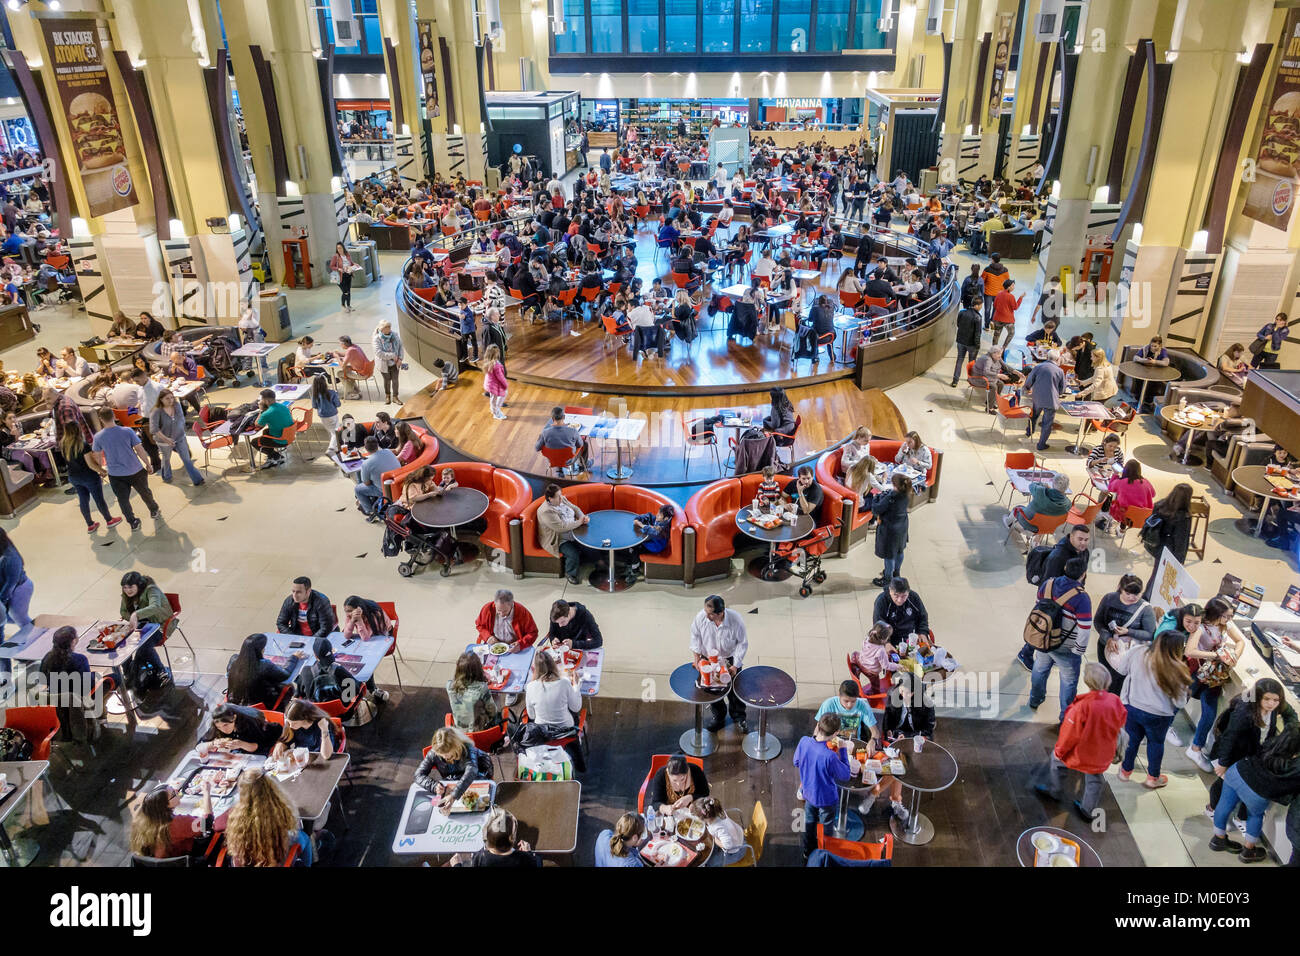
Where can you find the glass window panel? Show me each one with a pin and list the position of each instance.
(755, 26)
(865, 35)
(792, 21)
(370, 30)
(679, 26)
(643, 26)
(574, 37)
(833, 25)
(719, 25)
(606, 26)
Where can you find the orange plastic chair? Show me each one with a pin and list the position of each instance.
(874, 701)
(127, 419)
(853, 850)
(390, 610)
(1009, 413)
(1017, 460)
(490, 741)
(612, 330)
(1134, 517)
(559, 459)
(1083, 509)
(37, 724)
(657, 763)
(1044, 526)
(850, 299)
(302, 419)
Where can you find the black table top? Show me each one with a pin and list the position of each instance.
(764, 687)
(614, 525)
(930, 771)
(682, 681)
(456, 507)
(802, 527)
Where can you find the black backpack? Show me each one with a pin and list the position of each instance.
(325, 686)
(1152, 534)
(1036, 564)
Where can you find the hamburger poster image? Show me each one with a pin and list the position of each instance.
(1273, 195)
(79, 72)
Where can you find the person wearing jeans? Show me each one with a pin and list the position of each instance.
(821, 770)
(557, 519)
(1076, 626)
(168, 426)
(1045, 384)
(123, 460)
(15, 590)
(1272, 775)
(388, 359)
(1155, 691)
(890, 507)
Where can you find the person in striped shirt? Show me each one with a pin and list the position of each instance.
(1076, 626)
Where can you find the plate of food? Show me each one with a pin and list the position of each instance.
(476, 799)
(498, 648)
(690, 828)
(223, 781)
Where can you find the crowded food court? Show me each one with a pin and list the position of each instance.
(821, 472)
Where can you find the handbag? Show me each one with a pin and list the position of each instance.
(1213, 673)
(335, 277)
(1256, 346)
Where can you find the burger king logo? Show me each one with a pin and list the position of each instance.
(1283, 193)
(122, 182)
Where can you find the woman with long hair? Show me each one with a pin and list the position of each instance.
(1218, 638)
(167, 426)
(549, 699)
(342, 265)
(251, 678)
(1173, 518)
(143, 602)
(1271, 775)
(1251, 720)
(306, 725)
(472, 706)
(243, 729)
(890, 509)
(409, 445)
(325, 402)
(85, 480)
(264, 826)
(781, 418)
(620, 845)
(494, 381)
(1130, 489)
(157, 832)
(451, 756)
(1155, 690)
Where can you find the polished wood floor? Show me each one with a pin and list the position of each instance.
(575, 352)
(830, 411)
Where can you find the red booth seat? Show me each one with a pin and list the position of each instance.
(395, 479)
(712, 513)
(675, 564)
(882, 449)
(508, 495)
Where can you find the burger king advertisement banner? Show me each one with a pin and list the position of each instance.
(1273, 194)
(78, 63)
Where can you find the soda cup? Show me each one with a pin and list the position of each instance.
(917, 742)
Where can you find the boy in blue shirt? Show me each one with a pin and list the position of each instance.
(856, 719)
(820, 770)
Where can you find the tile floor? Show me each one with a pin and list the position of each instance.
(231, 548)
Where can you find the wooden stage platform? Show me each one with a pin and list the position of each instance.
(562, 354)
(831, 411)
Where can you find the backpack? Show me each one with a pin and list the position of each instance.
(1043, 626)
(13, 745)
(1152, 533)
(324, 686)
(1036, 564)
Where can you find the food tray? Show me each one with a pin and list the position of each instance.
(1062, 847)
(484, 793)
(681, 854)
(504, 681)
(191, 785)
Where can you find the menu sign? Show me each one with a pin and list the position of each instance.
(1001, 60)
(428, 66)
(77, 60)
(1272, 195)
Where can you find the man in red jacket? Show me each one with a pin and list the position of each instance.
(501, 619)
(1005, 304)
(1087, 740)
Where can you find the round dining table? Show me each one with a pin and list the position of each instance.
(766, 568)
(453, 508)
(764, 688)
(1146, 374)
(684, 681)
(609, 531)
(930, 771)
(1254, 478)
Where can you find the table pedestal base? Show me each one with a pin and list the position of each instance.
(764, 570)
(1248, 526)
(705, 745)
(918, 832)
(761, 746)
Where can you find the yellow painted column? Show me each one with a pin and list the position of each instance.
(1094, 115)
(311, 196)
(462, 148)
(993, 14)
(398, 26)
(1201, 86)
(965, 59)
(526, 37)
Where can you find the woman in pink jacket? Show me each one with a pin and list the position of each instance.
(494, 381)
(1130, 489)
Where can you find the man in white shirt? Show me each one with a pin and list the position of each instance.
(719, 631)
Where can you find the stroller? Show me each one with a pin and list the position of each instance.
(814, 546)
(221, 363)
(400, 535)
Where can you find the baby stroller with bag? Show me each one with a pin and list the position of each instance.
(401, 533)
(813, 547)
(221, 363)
